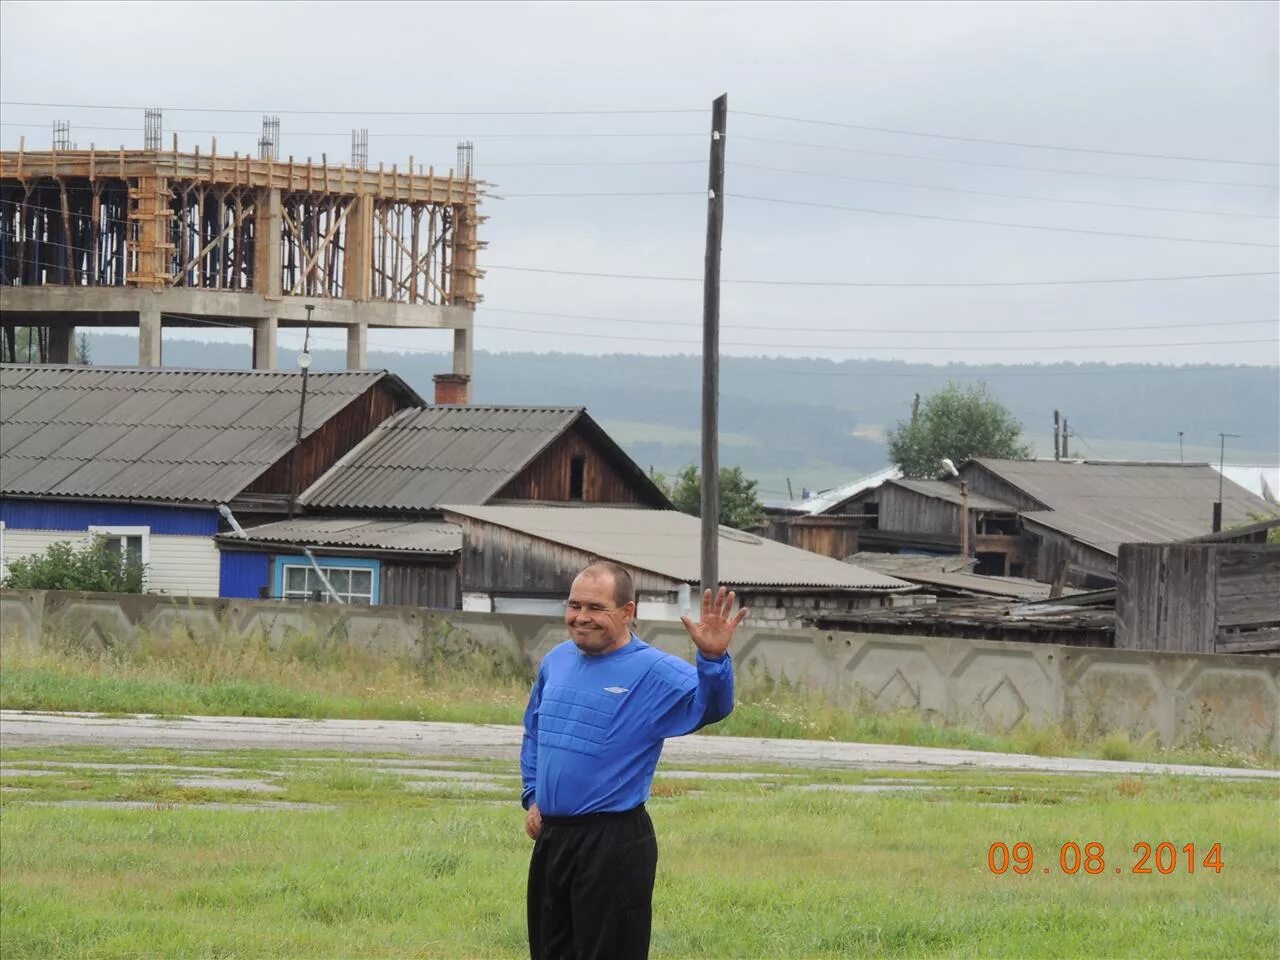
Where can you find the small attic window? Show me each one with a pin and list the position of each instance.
(577, 471)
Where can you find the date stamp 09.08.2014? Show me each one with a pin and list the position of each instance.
(1091, 859)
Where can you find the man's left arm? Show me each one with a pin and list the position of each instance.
(692, 698)
(685, 699)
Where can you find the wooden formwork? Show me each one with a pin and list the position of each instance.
(154, 219)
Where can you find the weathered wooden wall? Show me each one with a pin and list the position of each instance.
(322, 449)
(1198, 598)
(547, 478)
(1046, 550)
(835, 537)
(431, 585)
(903, 509)
(1248, 578)
(498, 560)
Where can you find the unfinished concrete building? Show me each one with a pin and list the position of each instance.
(155, 239)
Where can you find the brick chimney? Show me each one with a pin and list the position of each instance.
(451, 389)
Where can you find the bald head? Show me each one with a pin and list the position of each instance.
(624, 590)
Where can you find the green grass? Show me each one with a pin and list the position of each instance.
(747, 868)
(185, 678)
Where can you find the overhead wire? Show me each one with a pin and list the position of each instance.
(991, 193)
(1003, 166)
(858, 347)
(896, 329)
(1003, 143)
(885, 283)
(627, 111)
(1129, 369)
(822, 283)
(1000, 223)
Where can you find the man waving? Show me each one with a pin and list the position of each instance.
(601, 707)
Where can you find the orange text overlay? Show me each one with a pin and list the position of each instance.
(1091, 858)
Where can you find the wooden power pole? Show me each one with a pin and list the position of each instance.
(711, 351)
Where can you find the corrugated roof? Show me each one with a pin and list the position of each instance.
(415, 536)
(823, 501)
(180, 435)
(948, 572)
(943, 490)
(667, 542)
(420, 459)
(1106, 503)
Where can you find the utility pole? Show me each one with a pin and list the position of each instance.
(1057, 437)
(1066, 433)
(1222, 462)
(1181, 459)
(304, 361)
(711, 350)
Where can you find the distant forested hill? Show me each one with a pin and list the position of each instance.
(818, 422)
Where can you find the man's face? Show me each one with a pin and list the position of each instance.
(596, 623)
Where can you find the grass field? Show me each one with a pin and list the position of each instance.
(422, 858)
(183, 678)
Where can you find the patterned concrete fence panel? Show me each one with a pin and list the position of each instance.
(1221, 699)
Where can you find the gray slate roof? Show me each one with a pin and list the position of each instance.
(942, 490)
(1106, 503)
(412, 536)
(179, 435)
(667, 542)
(949, 573)
(419, 459)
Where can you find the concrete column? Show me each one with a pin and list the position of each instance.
(149, 339)
(462, 351)
(357, 346)
(62, 343)
(265, 340)
(266, 243)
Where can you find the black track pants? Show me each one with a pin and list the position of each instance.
(591, 887)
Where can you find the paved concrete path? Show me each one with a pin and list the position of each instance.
(21, 729)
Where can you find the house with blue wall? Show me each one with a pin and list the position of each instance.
(145, 458)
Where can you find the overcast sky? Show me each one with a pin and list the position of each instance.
(1177, 79)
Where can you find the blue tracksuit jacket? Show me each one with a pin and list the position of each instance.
(594, 726)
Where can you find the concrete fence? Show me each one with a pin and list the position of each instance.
(985, 684)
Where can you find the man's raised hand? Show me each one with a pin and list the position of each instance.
(713, 632)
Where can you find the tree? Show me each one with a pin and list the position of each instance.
(94, 566)
(82, 348)
(739, 506)
(957, 423)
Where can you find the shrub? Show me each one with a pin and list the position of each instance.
(94, 566)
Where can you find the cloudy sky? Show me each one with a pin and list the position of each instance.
(1138, 91)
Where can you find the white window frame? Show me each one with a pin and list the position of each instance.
(144, 533)
(329, 570)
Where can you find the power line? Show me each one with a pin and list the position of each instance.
(892, 284)
(637, 112)
(1129, 370)
(593, 163)
(1008, 196)
(1028, 348)
(352, 113)
(1005, 166)
(1005, 143)
(415, 135)
(621, 193)
(1000, 223)
(823, 346)
(931, 330)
